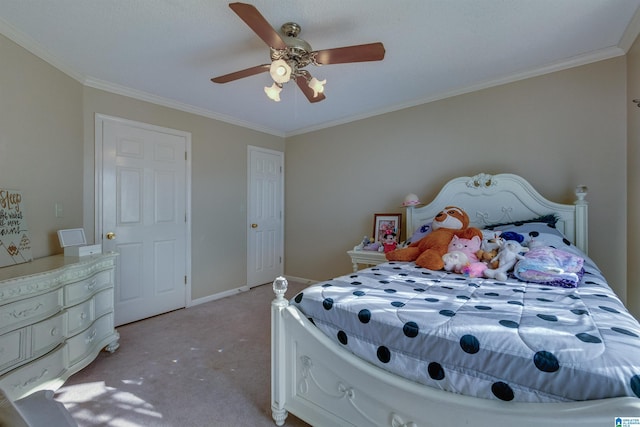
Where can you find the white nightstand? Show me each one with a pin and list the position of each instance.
(366, 257)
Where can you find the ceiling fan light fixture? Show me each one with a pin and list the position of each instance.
(273, 91)
(280, 71)
(317, 86)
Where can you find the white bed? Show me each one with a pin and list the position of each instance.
(325, 385)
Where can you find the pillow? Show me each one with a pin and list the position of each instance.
(419, 233)
(550, 266)
(550, 219)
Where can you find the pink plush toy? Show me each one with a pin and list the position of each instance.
(468, 246)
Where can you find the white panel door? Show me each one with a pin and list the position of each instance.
(265, 217)
(144, 216)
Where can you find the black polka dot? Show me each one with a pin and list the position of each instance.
(327, 285)
(509, 323)
(546, 361)
(609, 309)
(447, 313)
(390, 291)
(411, 329)
(384, 355)
(543, 299)
(298, 297)
(397, 304)
(342, 337)
(579, 311)
(419, 290)
(548, 317)
(435, 371)
(492, 294)
(359, 293)
(470, 344)
(635, 384)
(502, 391)
(482, 307)
(431, 299)
(588, 338)
(624, 332)
(515, 303)
(356, 283)
(364, 315)
(463, 297)
(327, 303)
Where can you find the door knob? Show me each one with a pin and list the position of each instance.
(111, 235)
(254, 225)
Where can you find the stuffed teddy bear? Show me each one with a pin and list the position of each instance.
(507, 257)
(427, 252)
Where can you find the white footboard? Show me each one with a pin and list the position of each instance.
(325, 385)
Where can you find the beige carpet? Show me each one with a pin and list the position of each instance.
(207, 365)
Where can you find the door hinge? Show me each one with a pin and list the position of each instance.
(185, 280)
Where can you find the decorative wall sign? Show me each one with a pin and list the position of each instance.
(15, 245)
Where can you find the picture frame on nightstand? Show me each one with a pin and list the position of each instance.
(384, 223)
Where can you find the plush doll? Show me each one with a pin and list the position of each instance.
(489, 249)
(389, 241)
(468, 246)
(507, 257)
(427, 252)
(458, 262)
(455, 261)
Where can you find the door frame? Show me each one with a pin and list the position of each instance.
(98, 202)
(280, 154)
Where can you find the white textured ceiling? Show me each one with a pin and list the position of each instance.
(166, 51)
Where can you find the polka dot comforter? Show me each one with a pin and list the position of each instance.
(509, 340)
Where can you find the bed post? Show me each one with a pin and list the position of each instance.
(278, 368)
(582, 229)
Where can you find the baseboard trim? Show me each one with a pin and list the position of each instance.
(240, 289)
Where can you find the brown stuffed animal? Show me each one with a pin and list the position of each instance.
(427, 252)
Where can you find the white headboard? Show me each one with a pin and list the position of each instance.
(491, 199)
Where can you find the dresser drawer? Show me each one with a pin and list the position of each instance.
(47, 334)
(21, 381)
(86, 341)
(80, 316)
(29, 310)
(103, 302)
(84, 289)
(12, 349)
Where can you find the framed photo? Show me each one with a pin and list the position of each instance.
(386, 223)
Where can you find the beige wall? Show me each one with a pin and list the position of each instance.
(219, 184)
(557, 131)
(40, 143)
(633, 179)
(47, 151)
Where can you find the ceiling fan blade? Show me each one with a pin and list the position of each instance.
(254, 19)
(308, 92)
(357, 53)
(241, 74)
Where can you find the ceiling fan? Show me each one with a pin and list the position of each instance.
(290, 55)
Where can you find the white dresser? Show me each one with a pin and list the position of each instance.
(56, 315)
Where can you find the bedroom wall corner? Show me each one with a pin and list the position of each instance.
(633, 179)
(41, 143)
